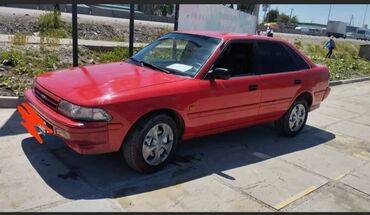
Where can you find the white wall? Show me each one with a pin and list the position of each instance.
(215, 18)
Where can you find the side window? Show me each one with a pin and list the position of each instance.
(274, 58)
(301, 63)
(238, 58)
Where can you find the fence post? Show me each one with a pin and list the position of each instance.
(176, 26)
(74, 34)
(131, 33)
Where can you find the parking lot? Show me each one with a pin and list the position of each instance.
(325, 168)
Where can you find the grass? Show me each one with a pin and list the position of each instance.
(51, 25)
(117, 54)
(119, 38)
(24, 66)
(18, 39)
(344, 63)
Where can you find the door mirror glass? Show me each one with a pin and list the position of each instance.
(218, 73)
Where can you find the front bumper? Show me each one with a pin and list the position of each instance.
(84, 138)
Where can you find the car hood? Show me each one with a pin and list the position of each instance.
(97, 84)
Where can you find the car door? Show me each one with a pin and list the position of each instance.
(282, 77)
(234, 101)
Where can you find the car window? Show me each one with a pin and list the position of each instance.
(169, 49)
(178, 53)
(274, 58)
(238, 58)
(300, 62)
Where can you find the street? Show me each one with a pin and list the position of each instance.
(325, 168)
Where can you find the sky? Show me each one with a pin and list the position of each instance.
(318, 13)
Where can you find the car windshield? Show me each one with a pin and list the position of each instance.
(177, 53)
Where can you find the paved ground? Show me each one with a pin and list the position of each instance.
(326, 168)
(6, 38)
(82, 18)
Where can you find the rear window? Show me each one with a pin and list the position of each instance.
(301, 63)
(273, 57)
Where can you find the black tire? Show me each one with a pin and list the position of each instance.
(282, 125)
(133, 144)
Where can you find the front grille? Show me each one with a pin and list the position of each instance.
(50, 102)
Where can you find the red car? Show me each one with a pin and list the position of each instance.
(186, 84)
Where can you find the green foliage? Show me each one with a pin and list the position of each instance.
(298, 43)
(18, 39)
(272, 15)
(275, 16)
(50, 25)
(13, 58)
(166, 9)
(115, 55)
(294, 20)
(343, 64)
(49, 21)
(119, 38)
(283, 18)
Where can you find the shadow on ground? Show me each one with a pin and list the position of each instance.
(107, 176)
(13, 125)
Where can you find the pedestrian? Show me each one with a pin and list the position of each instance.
(269, 31)
(330, 45)
(258, 31)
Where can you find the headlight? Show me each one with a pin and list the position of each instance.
(81, 113)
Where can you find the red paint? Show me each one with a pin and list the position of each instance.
(128, 92)
(32, 120)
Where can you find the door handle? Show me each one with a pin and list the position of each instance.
(252, 87)
(297, 81)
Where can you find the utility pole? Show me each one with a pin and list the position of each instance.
(329, 13)
(363, 22)
(291, 11)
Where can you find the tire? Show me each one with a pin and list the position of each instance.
(142, 142)
(283, 125)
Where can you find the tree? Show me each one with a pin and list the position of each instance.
(272, 15)
(166, 9)
(294, 20)
(283, 18)
(156, 9)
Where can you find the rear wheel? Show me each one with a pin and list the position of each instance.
(151, 143)
(294, 120)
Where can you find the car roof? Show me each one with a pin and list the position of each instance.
(229, 35)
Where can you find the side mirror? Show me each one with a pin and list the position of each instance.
(218, 73)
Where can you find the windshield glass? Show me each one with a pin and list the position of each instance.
(178, 53)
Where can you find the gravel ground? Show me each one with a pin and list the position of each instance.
(89, 27)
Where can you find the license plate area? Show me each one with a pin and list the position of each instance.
(42, 130)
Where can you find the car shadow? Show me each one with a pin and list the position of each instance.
(77, 176)
(13, 125)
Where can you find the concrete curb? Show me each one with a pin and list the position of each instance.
(10, 101)
(348, 81)
(14, 101)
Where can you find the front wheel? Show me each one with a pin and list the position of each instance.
(294, 120)
(151, 143)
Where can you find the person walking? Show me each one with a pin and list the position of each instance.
(269, 31)
(330, 45)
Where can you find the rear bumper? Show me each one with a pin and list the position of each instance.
(321, 96)
(84, 138)
(326, 94)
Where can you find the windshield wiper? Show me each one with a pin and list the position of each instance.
(143, 63)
